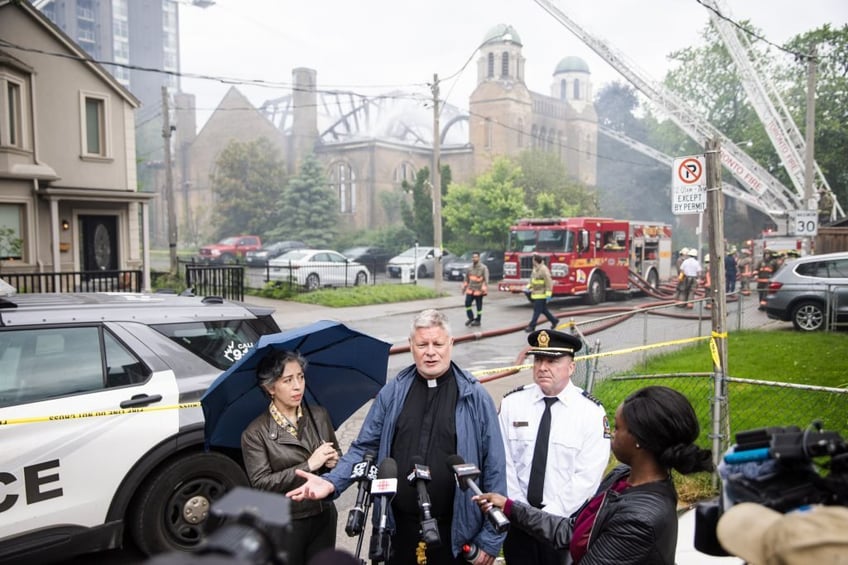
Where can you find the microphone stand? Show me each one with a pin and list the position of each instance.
(365, 508)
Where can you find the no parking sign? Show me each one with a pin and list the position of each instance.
(688, 192)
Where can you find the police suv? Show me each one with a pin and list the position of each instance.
(100, 428)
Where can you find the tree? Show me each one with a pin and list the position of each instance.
(418, 218)
(548, 190)
(309, 207)
(831, 134)
(482, 213)
(248, 182)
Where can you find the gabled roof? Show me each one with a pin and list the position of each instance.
(78, 52)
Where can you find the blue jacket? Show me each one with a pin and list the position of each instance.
(478, 441)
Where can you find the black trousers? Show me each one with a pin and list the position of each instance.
(406, 538)
(310, 535)
(478, 301)
(520, 548)
(540, 307)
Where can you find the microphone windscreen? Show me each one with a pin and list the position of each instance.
(369, 456)
(388, 469)
(416, 460)
(453, 460)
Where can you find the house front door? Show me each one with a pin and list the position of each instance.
(99, 243)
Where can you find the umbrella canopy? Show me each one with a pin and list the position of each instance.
(345, 369)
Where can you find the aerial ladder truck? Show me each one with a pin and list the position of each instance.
(771, 195)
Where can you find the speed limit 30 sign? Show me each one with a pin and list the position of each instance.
(804, 223)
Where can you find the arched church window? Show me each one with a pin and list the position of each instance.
(404, 172)
(505, 64)
(343, 179)
(577, 89)
(520, 128)
(563, 90)
(489, 133)
(491, 65)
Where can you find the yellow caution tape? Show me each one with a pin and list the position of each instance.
(96, 414)
(714, 353)
(482, 372)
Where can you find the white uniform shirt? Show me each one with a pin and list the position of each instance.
(691, 267)
(578, 451)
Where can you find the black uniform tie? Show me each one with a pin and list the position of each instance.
(536, 485)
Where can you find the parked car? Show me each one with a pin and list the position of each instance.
(809, 291)
(102, 437)
(260, 257)
(375, 258)
(455, 269)
(314, 268)
(230, 250)
(419, 262)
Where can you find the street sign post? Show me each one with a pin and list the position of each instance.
(688, 191)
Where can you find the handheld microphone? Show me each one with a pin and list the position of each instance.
(363, 472)
(465, 475)
(419, 477)
(385, 486)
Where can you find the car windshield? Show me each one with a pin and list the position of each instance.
(412, 252)
(294, 255)
(229, 241)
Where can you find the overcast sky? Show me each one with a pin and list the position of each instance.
(379, 45)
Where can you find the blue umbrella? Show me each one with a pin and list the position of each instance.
(345, 370)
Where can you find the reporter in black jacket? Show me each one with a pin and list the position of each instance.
(632, 519)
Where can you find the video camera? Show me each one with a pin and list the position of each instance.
(252, 529)
(782, 468)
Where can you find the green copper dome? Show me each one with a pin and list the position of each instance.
(501, 33)
(571, 65)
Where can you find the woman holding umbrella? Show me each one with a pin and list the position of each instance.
(291, 435)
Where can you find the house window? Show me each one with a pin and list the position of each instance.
(404, 173)
(11, 111)
(95, 132)
(343, 179)
(11, 239)
(491, 65)
(504, 64)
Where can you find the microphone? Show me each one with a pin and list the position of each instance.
(385, 485)
(363, 472)
(419, 477)
(465, 475)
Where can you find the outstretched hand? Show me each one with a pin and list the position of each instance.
(488, 500)
(314, 488)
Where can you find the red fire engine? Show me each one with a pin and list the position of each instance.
(588, 256)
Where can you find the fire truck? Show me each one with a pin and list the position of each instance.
(588, 256)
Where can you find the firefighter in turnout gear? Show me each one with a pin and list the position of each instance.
(475, 288)
(540, 289)
(765, 269)
(745, 267)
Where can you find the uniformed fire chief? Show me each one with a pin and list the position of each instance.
(577, 450)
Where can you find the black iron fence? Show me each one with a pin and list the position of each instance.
(226, 281)
(75, 281)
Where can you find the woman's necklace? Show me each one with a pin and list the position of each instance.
(283, 421)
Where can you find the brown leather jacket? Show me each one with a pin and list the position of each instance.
(271, 455)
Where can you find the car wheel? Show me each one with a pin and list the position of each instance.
(313, 282)
(170, 511)
(596, 291)
(422, 272)
(808, 317)
(361, 278)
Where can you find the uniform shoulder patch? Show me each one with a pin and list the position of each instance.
(516, 389)
(592, 398)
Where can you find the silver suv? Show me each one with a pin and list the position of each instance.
(811, 292)
(101, 432)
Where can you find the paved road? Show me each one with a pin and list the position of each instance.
(504, 315)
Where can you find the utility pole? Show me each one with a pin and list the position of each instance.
(436, 175)
(169, 182)
(718, 341)
(810, 199)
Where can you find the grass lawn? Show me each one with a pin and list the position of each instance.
(353, 296)
(818, 359)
